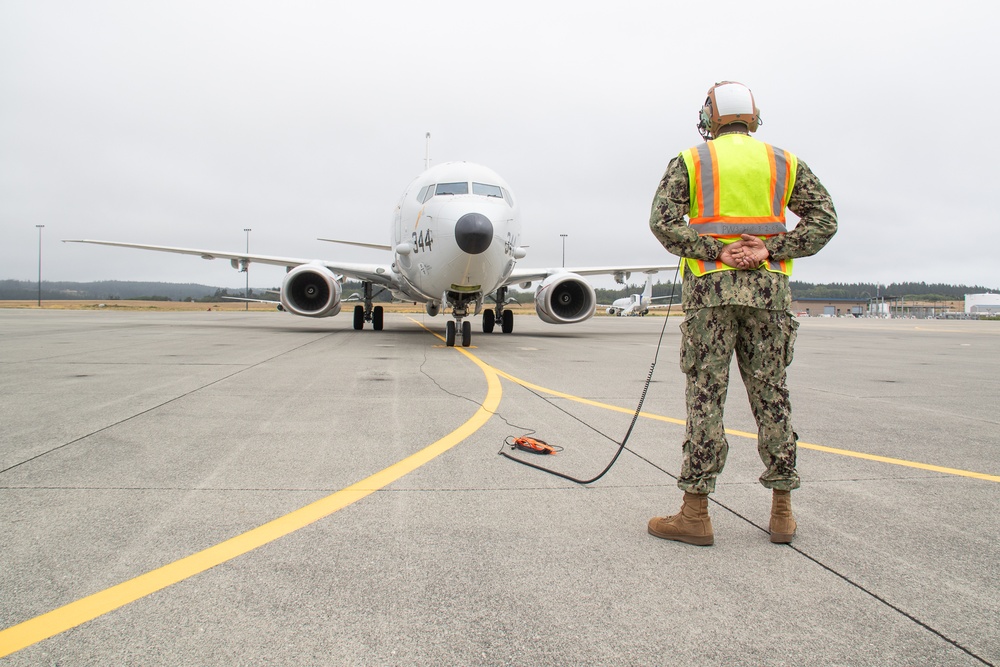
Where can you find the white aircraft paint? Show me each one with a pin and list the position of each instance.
(455, 241)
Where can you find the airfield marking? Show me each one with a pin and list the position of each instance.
(76, 613)
(39, 628)
(753, 436)
(743, 434)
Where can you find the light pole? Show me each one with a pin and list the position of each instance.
(39, 264)
(246, 268)
(564, 249)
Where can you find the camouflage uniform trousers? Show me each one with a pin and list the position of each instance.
(763, 342)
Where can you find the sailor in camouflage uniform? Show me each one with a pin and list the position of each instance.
(720, 206)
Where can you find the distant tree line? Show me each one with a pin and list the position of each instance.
(112, 290)
(916, 291)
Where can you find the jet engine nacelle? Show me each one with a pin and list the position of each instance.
(565, 298)
(311, 290)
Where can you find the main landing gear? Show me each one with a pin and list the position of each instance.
(499, 314)
(368, 312)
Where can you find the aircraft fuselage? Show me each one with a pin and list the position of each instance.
(455, 235)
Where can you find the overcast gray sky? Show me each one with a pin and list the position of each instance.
(182, 123)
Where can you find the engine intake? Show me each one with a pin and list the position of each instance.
(311, 290)
(565, 298)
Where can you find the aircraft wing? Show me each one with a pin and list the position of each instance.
(519, 275)
(243, 300)
(376, 246)
(379, 274)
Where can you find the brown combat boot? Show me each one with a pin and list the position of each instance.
(691, 525)
(782, 525)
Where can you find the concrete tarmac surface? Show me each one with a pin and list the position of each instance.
(259, 489)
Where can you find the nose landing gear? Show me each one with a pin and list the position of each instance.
(451, 330)
(460, 310)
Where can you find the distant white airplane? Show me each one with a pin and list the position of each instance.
(455, 241)
(636, 304)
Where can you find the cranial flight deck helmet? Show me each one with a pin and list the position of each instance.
(727, 102)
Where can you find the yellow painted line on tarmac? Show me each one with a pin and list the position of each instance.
(901, 462)
(587, 401)
(69, 616)
(959, 331)
(743, 434)
(753, 436)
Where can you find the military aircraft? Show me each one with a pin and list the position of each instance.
(455, 241)
(636, 304)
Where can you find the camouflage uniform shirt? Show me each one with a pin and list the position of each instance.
(757, 289)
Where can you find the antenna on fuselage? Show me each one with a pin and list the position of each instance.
(427, 152)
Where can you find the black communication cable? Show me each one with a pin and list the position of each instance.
(846, 578)
(635, 416)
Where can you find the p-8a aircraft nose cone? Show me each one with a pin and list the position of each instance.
(474, 233)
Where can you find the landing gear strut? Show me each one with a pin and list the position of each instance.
(368, 312)
(499, 314)
(460, 310)
(451, 332)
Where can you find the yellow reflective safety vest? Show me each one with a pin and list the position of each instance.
(739, 185)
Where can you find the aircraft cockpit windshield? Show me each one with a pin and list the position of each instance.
(487, 190)
(482, 189)
(492, 191)
(451, 189)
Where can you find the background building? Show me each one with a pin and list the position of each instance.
(820, 307)
(885, 306)
(982, 304)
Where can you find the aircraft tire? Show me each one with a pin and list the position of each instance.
(507, 325)
(359, 318)
(377, 318)
(449, 333)
(489, 321)
(466, 333)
